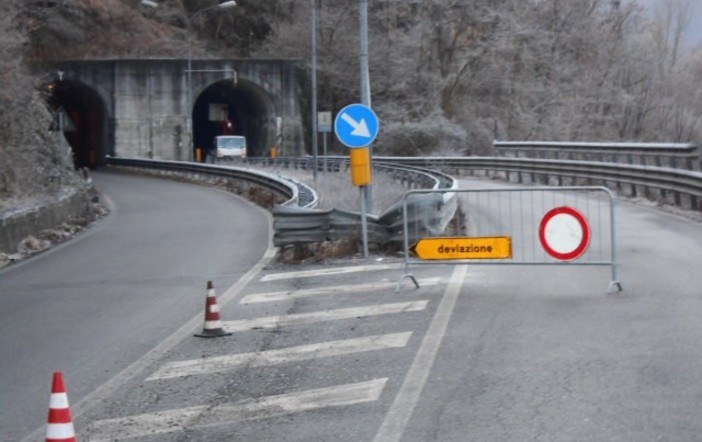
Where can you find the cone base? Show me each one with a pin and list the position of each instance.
(213, 334)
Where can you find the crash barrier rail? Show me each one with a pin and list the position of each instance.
(569, 225)
(674, 155)
(281, 191)
(682, 188)
(409, 176)
(295, 225)
(294, 218)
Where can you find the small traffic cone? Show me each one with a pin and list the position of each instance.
(60, 426)
(213, 325)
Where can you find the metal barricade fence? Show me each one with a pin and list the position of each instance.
(518, 226)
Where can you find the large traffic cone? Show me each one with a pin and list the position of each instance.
(60, 427)
(213, 325)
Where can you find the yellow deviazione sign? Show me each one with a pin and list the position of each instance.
(498, 247)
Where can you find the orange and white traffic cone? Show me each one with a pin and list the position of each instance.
(60, 426)
(213, 324)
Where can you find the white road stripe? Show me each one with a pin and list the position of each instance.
(280, 356)
(330, 271)
(329, 315)
(395, 422)
(335, 290)
(205, 416)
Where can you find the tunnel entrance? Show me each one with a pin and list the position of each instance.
(231, 107)
(80, 115)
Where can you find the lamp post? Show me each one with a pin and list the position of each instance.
(225, 5)
(365, 87)
(314, 89)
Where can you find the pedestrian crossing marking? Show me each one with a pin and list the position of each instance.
(330, 271)
(335, 290)
(285, 355)
(329, 315)
(196, 417)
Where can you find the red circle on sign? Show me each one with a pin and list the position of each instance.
(569, 214)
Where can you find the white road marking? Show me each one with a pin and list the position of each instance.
(280, 356)
(330, 271)
(225, 414)
(400, 412)
(329, 315)
(336, 290)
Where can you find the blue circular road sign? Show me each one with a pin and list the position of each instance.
(356, 125)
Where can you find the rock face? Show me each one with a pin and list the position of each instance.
(39, 188)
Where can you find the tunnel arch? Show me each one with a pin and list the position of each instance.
(235, 107)
(83, 120)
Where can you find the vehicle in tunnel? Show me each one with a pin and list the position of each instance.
(230, 146)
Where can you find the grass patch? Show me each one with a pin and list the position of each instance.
(335, 190)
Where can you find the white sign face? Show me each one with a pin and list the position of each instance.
(218, 112)
(324, 121)
(564, 233)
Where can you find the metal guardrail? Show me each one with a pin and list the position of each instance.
(678, 187)
(295, 225)
(674, 155)
(281, 191)
(295, 220)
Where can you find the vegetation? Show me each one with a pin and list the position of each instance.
(447, 76)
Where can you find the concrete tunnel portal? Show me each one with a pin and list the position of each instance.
(150, 109)
(231, 107)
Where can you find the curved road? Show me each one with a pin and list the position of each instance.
(91, 307)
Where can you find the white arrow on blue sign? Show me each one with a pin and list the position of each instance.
(356, 125)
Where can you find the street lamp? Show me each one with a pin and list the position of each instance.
(314, 89)
(225, 5)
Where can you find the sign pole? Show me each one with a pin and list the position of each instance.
(364, 220)
(324, 125)
(356, 126)
(325, 154)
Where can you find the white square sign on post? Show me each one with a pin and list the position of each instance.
(324, 122)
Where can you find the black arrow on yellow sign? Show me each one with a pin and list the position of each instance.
(494, 247)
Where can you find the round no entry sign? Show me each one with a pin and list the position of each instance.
(564, 233)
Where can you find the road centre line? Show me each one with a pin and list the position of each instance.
(329, 315)
(330, 271)
(335, 290)
(168, 421)
(280, 356)
(395, 422)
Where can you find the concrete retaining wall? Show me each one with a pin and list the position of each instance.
(66, 209)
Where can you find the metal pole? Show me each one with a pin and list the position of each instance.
(365, 81)
(225, 5)
(314, 89)
(325, 153)
(189, 108)
(365, 85)
(364, 221)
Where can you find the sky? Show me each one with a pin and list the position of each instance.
(694, 31)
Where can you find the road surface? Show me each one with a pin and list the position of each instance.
(93, 306)
(491, 353)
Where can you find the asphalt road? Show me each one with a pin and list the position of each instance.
(487, 353)
(93, 306)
